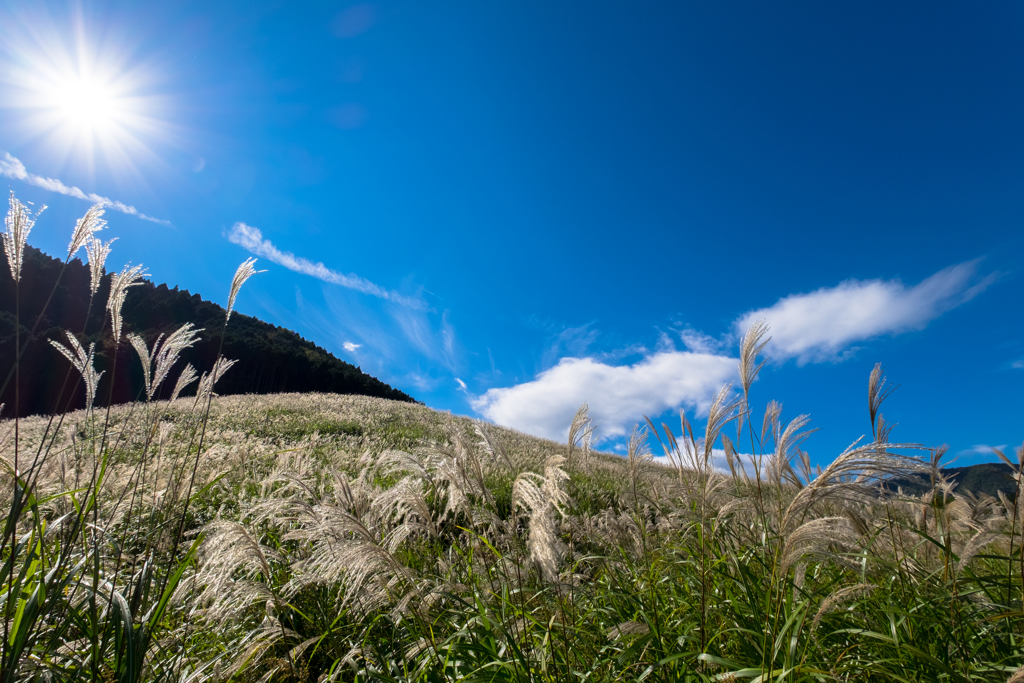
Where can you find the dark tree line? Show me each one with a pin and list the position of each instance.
(271, 358)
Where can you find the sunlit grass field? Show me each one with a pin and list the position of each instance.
(344, 538)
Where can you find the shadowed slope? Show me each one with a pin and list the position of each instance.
(271, 358)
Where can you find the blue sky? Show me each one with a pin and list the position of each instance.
(506, 209)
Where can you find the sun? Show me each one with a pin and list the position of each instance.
(88, 104)
(88, 101)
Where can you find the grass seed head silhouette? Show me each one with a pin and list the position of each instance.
(18, 224)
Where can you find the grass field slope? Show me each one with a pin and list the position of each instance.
(324, 537)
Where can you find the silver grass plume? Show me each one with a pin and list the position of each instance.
(825, 538)
(787, 445)
(838, 598)
(733, 459)
(1014, 509)
(342, 549)
(971, 512)
(877, 393)
(156, 364)
(245, 271)
(1017, 677)
(234, 569)
(456, 466)
(626, 629)
(19, 224)
(720, 414)
(977, 542)
(490, 446)
(770, 424)
(187, 376)
(638, 457)
(97, 252)
(129, 276)
(89, 224)
(404, 506)
(82, 362)
(581, 432)
(208, 380)
(543, 497)
(750, 346)
(854, 477)
(683, 459)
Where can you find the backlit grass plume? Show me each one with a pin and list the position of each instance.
(97, 253)
(245, 271)
(18, 223)
(545, 498)
(129, 276)
(158, 362)
(187, 376)
(82, 361)
(209, 379)
(89, 224)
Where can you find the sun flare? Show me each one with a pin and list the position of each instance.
(86, 103)
(87, 100)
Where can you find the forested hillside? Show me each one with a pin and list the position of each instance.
(271, 358)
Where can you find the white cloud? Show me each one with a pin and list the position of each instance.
(350, 347)
(619, 396)
(251, 239)
(820, 325)
(1017, 364)
(982, 449)
(721, 463)
(698, 342)
(12, 167)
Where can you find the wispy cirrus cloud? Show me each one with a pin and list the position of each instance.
(251, 239)
(11, 167)
(982, 449)
(821, 325)
(618, 395)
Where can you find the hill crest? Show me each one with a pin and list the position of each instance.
(271, 359)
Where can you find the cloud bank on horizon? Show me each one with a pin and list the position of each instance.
(617, 395)
(11, 167)
(814, 327)
(251, 239)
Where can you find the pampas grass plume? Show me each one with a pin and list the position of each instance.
(19, 224)
(245, 271)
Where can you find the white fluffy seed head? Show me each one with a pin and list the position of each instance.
(97, 252)
(19, 224)
(128, 277)
(89, 224)
(751, 345)
(187, 376)
(82, 361)
(245, 271)
(208, 380)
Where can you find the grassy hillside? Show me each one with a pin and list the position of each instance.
(313, 537)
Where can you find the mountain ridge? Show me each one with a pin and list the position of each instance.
(272, 359)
